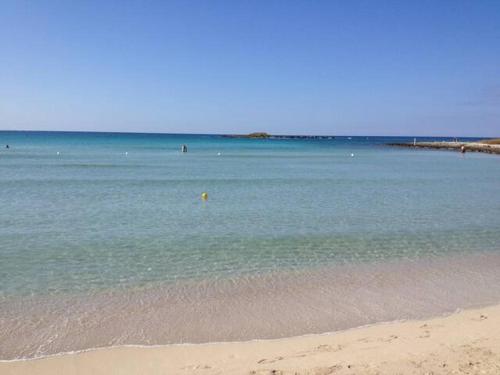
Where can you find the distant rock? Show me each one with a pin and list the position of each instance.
(489, 146)
(493, 141)
(256, 135)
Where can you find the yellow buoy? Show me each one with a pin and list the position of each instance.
(204, 196)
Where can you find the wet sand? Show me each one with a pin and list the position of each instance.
(265, 307)
(467, 342)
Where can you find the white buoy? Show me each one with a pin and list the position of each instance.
(218, 154)
(352, 155)
(57, 152)
(126, 152)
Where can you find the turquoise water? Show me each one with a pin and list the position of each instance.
(104, 238)
(124, 210)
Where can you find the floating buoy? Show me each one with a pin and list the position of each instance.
(204, 196)
(218, 154)
(352, 155)
(57, 152)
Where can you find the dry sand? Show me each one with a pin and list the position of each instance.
(467, 342)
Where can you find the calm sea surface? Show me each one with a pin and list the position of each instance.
(85, 214)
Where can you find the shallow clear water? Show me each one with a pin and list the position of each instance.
(93, 217)
(121, 212)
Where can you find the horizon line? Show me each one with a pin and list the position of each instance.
(241, 134)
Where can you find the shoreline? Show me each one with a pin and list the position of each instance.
(432, 345)
(282, 305)
(442, 315)
(247, 341)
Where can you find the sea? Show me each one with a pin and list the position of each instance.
(105, 239)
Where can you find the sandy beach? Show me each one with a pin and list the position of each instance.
(467, 342)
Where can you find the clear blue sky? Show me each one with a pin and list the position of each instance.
(303, 67)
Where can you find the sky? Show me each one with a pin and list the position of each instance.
(284, 67)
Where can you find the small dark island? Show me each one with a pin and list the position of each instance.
(258, 135)
(255, 135)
